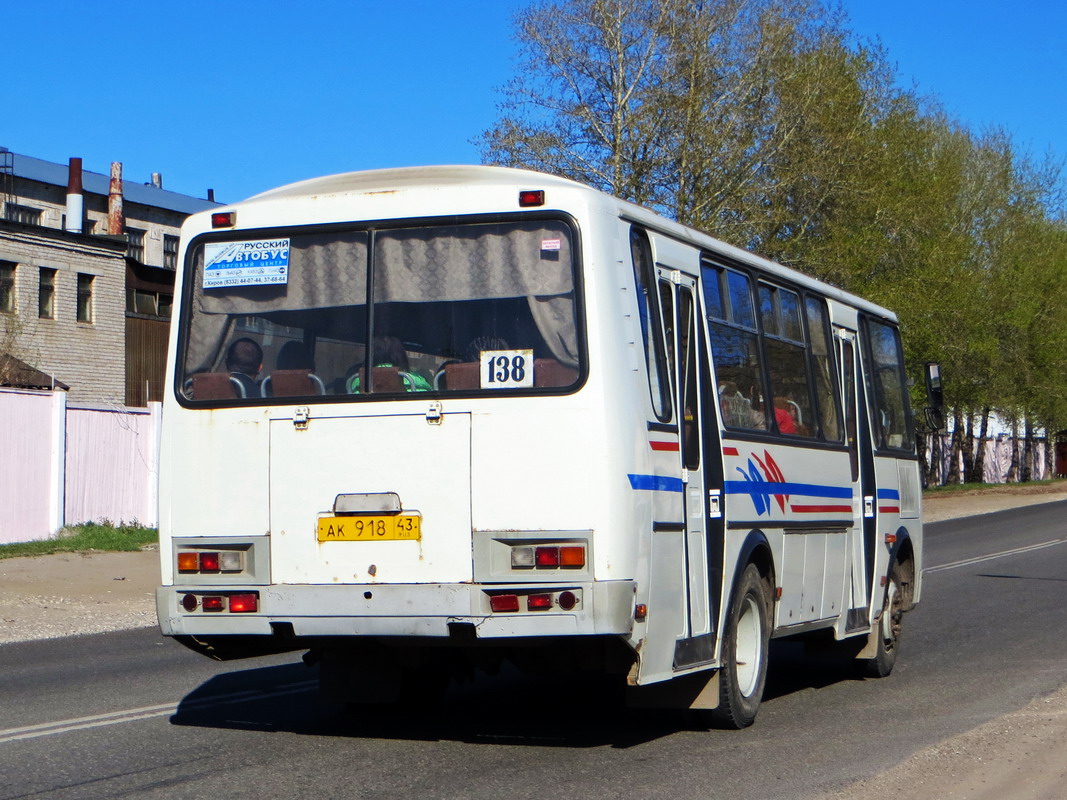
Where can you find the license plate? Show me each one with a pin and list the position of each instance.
(364, 528)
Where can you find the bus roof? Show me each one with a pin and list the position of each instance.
(407, 179)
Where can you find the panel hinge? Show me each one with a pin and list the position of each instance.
(435, 413)
(300, 418)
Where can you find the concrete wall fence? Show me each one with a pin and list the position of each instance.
(64, 464)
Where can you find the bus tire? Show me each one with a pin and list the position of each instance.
(887, 632)
(746, 641)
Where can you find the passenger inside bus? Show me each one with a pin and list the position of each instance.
(244, 360)
(389, 356)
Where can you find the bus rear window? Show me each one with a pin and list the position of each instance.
(458, 308)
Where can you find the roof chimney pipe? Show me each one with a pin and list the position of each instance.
(157, 180)
(115, 223)
(75, 199)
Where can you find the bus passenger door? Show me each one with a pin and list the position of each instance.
(689, 371)
(861, 460)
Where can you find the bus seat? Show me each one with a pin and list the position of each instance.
(292, 383)
(549, 372)
(461, 375)
(216, 386)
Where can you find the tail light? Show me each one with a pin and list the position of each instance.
(504, 602)
(555, 556)
(244, 603)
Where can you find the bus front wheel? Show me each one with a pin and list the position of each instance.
(887, 632)
(744, 652)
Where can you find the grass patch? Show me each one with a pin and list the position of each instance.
(90, 536)
(1006, 488)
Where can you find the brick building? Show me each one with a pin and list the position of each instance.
(87, 276)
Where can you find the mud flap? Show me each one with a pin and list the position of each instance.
(699, 690)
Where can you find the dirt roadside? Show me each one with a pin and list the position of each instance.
(1022, 756)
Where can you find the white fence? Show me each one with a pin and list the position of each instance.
(65, 465)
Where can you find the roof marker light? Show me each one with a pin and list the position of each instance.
(223, 219)
(529, 198)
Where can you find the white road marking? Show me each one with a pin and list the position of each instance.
(144, 712)
(979, 559)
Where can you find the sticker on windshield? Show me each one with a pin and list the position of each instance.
(253, 263)
(507, 369)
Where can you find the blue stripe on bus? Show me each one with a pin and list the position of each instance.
(656, 483)
(769, 488)
(888, 494)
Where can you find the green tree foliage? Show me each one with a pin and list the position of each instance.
(768, 124)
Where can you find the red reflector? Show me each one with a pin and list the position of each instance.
(244, 603)
(573, 556)
(188, 562)
(189, 603)
(223, 219)
(640, 612)
(504, 602)
(539, 602)
(212, 604)
(531, 197)
(567, 600)
(547, 556)
(209, 562)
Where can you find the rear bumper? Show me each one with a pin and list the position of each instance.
(419, 610)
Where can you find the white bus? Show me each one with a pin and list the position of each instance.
(420, 421)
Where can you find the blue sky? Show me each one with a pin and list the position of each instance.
(242, 96)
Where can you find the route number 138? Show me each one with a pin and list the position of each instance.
(507, 369)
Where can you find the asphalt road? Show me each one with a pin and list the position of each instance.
(131, 714)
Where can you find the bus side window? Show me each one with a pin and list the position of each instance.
(649, 318)
(823, 368)
(734, 347)
(787, 360)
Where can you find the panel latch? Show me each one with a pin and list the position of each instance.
(300, 418)
(435, 413)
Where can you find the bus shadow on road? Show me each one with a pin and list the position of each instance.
(509, 708)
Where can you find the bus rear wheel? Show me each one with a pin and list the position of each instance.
(744, 653)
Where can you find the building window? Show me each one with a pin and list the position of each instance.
(149, 304)
(135, 249)
(170, 251)
(7, 287)
(24, 214)
(46, 297)
(85, 298)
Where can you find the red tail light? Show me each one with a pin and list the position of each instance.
(209, 562)
(212, 603)
(547, 556)
(539, 602)
(244, 603)
(504, 602)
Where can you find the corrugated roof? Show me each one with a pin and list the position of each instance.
(17, 373)
(36, 169)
